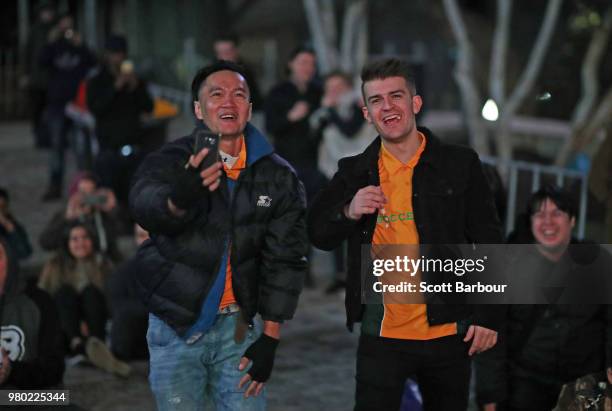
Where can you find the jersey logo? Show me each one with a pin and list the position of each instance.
(13, 341)
(264, 201)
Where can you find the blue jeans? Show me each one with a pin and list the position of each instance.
(189, 376)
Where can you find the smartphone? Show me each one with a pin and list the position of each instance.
(207, 139)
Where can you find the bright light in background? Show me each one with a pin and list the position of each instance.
(544, 96)
(490, 111)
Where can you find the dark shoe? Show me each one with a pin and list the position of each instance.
(53, 193)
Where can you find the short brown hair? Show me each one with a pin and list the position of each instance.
(385, 68)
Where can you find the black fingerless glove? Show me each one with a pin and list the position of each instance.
(187, 188)
(261, 353)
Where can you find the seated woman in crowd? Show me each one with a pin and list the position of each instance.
(75, 278)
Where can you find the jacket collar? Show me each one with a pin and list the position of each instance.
(369, 158)
(257, 146)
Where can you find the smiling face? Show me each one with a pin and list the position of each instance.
(552, 227)
(79, 243)
(223, 103)
(391, 107)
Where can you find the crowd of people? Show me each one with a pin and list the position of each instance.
(223, 249)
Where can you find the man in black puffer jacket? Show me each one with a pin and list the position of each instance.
(227, 242)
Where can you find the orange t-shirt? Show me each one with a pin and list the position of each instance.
(396, 226)
(228, 293)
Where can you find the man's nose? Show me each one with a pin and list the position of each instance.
(386, 105)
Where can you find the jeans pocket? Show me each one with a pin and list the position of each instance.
(159, 334)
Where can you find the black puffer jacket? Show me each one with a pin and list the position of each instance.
(263, 220)
(452, 204)
(555, 342)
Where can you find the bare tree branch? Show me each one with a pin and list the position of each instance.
(536, 58)
(465, 77)
(527, 79)
(590, 86)
(499, 51)
(352, 27)
(326, 53)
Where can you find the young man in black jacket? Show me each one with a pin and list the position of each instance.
(227, 242)
(30, 338)
(407, 187)
(543, 346)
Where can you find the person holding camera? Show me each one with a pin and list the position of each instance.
(75, 277)
(68, 61)
(96, 206)
(118, 98)
(228, 241)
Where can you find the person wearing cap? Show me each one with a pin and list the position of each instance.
(117, 97)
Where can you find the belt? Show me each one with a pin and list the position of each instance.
(229, 309)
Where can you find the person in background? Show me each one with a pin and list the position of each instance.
(67, 61)
(12, 230)
(88, 204)
(226, 48)
(118, 99)
(344, 133)
(287, 109)
(129, 315)
(543, 346)
(30, 337)
(75, 277)
(37, 78)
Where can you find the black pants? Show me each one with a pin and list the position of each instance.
(441, 367)
(88, 306)
(527, 394)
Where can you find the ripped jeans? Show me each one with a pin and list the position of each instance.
(190, 376)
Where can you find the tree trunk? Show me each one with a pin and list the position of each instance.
(465, 78)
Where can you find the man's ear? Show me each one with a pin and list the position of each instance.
(573, 222)
(250, 111)
(417, 103)
(366, 114)
(197, 109)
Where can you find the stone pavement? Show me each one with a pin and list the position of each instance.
(314, 369)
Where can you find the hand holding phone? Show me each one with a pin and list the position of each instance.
(206, 139)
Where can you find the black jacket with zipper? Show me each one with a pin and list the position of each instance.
(452, 204)
(263, 220)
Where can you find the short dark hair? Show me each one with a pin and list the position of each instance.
(206, 71)
(231, 37)
(342, 74)
(385, 68)
(559, 196)
(4, 194)
(301, 49)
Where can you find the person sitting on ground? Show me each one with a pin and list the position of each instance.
(14, 232)
(88, 204)
(75, 278)
(130, 317)
(30, 337)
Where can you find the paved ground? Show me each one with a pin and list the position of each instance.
(314, 369)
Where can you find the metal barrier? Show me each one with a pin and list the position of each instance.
(537, 170)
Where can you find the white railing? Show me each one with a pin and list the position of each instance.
(561, 175)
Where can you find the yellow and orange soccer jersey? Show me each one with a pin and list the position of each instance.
(395, 225)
